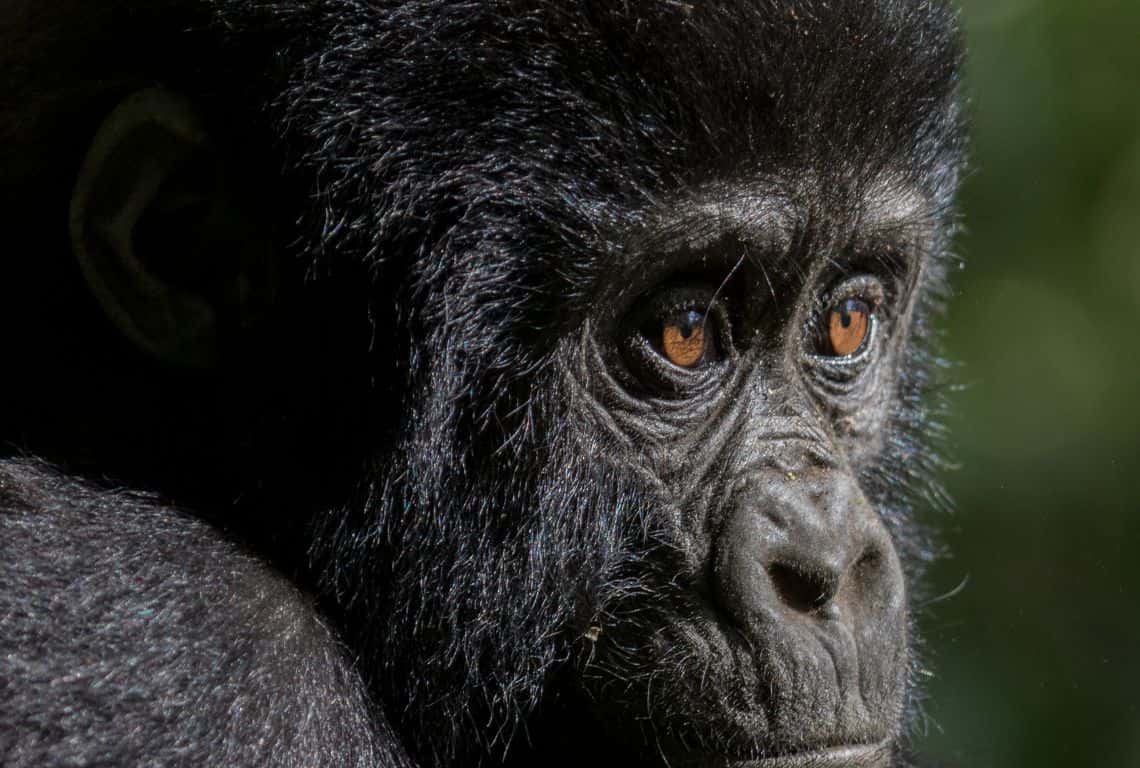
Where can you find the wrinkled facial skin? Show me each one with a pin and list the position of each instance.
(775, 628)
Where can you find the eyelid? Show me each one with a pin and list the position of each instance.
(865, 287)
(681, 299)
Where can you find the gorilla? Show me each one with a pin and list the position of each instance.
(445, 383)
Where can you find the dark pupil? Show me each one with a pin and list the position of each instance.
(845, 310)
(689, 321)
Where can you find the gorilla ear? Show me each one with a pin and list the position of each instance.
(168, 244)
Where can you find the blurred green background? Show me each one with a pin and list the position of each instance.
(1037, 658)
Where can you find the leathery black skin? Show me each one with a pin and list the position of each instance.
(452, 383)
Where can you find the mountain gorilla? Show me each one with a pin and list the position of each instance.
(547, 381)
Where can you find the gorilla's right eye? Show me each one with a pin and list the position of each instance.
(677, 340)
(682, 339)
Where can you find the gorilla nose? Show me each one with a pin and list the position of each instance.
(805, 546)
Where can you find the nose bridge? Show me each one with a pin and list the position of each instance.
(771, 408)
(781, 426)
(789, 447)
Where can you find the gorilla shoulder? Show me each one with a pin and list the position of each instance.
(132, 633)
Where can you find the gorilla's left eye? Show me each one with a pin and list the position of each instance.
(845, 328)
(848, 325)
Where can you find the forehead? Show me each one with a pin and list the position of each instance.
(750, 118)
(795, 84)
(774, 211)
(778, 222)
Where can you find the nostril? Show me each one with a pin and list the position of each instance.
(867, 565)
(869, 575)
(802, 591)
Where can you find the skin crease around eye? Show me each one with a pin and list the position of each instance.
(847, 326)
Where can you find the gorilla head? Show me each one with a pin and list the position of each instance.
(646, 287)
(658, 275)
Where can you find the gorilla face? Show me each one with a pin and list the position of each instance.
(746, 380)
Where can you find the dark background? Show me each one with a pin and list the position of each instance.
(1036, 660)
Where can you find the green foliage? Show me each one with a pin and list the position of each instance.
(1037, 659)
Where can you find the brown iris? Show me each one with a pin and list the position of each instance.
(848, 323)
(683, 339)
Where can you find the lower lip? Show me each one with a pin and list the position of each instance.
(865, 756)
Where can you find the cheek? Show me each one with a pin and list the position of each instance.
(862, 416)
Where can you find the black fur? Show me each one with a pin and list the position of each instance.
(484, 179)
(134, 633)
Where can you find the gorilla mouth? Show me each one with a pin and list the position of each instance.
(848, 756)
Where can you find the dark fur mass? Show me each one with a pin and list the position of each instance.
(454, 428)
(112, 613)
